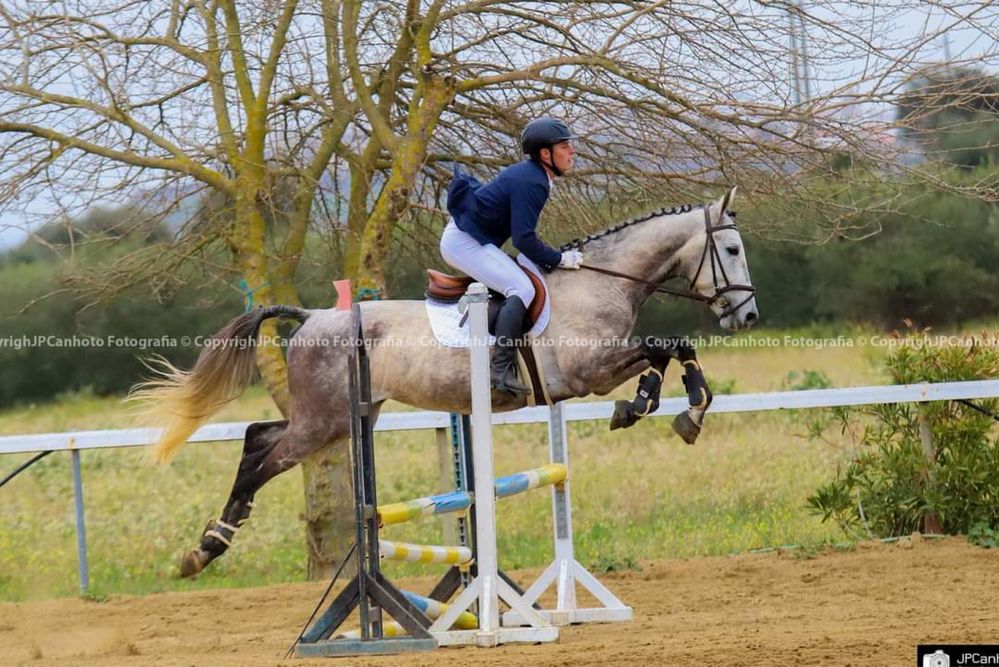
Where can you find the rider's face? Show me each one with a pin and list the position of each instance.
(562, 155)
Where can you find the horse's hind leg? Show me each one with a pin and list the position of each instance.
(260, 440)
(269, 449)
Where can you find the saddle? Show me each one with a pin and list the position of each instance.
(444, 287)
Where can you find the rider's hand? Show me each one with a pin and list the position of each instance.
(571, 259)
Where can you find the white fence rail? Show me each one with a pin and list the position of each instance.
(74, 442)
(574, 411)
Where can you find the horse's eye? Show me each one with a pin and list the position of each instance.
(733, 250)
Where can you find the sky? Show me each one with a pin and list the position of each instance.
(960, 44)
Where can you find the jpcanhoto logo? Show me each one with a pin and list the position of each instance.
(957, 655)
(936, 659)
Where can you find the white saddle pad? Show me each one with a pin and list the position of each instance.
(445, 319)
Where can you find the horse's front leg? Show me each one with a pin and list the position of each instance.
(627, 413)
(687, 424)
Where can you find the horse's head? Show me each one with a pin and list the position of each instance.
(722, 274)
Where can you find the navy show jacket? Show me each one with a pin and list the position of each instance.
(506, 207)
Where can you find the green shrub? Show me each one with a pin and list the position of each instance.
(63, 343)
(891, 487)
(984, 536)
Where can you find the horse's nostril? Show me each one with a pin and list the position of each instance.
(751, 316)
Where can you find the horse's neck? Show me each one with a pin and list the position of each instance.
(654, 250)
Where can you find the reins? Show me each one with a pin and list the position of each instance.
(710, 251)
(687, 294)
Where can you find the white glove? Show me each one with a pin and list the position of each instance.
(571, 259)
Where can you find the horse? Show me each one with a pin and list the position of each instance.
(626, 263)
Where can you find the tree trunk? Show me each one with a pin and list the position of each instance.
(326, 483)
(433, 94)
(329, 512)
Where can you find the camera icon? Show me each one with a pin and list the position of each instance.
(936, 659)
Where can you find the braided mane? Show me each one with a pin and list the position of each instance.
(673, 210)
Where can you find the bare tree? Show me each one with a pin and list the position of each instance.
(337, 116)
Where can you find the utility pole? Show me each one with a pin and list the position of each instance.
(801, 86)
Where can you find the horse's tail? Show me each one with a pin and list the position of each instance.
(185, 399)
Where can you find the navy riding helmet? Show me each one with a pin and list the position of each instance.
(544, 133)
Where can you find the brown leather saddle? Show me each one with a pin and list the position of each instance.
(444, 287)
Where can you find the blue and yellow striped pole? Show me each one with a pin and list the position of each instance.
(455, 501)
(408, 510)
(553, 473)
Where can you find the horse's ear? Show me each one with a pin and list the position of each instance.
(726, 202)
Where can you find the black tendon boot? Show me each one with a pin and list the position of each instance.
(509, 325)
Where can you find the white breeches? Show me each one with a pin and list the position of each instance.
(486, 263)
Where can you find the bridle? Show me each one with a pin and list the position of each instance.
(710, 253)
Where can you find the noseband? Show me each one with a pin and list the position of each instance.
(710, 253)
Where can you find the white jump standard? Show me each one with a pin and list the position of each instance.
(565, 571)
(487, 587)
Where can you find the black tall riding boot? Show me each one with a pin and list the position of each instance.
(509, 327)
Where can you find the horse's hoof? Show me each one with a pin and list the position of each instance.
(624, 415)
(686, 428)
(194, 561)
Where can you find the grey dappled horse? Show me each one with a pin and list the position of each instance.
(628, 263)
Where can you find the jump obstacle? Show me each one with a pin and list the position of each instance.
(369, 591)
(473, 618)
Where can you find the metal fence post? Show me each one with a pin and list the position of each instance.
(445, 476)
(81, 529)
(931, 522)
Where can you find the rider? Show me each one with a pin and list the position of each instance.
(483, 217)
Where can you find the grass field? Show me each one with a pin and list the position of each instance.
(638, 494)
